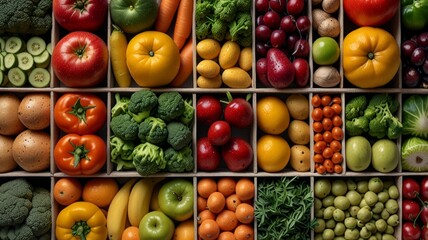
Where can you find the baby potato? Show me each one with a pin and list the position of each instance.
(329, 27)
(330, 6)
(298, 106)
(298, 132)
(300, 158)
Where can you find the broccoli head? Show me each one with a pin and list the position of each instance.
(219, 29)
(189, 111)
(39, 218)
(243, 5)
(225, 10)
(203, 29)
(241, 26)
(357, 126)
(124, 127)
(179, 161)
(179, 135)
(122, 164)
(148, 159)
(141, 104)
(152, 130)
(120, 148)
(355, 107)
(170, 106)
(121, 106)
(382, 122)
(378, 127)
(203, 8)
(245, 41)
(15, 199)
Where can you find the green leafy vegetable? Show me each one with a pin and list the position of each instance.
(415, 116)
(279, 197)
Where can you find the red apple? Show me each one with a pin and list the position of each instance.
(208, 155)
(237, 154)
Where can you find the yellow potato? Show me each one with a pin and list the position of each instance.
(298, 132)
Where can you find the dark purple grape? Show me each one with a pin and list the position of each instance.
(295, 7)
(301, 49)
(418, 56)
(422, 40)
(259, 20)
(263, 33)
(278, 6)
(288, 24)
(261, 49)
(262, 6)
(411, 77)
(407, 48)
(278, 38)
(303, 23)
(425, 66)
(291, 41)
(272, 19)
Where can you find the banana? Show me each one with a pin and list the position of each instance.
(139, 199)
(117, 213)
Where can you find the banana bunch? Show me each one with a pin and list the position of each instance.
(130, 203)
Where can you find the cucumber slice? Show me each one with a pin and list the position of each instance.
(2, 67)
(39, 77)
(4, 53)
(2, 78)
(2, 44)
(25, 61)
(42, 60)
(49, 48)
(17, 77)
(14, 45)
(10, 61)
(36, 45)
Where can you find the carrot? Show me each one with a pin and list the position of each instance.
(166, 12)
(186, 65)
(118, 44)
(183, 22)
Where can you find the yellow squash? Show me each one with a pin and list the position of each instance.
(371, 57)
(153, 59)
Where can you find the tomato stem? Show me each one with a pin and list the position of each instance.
(79, 110)
(79, 152)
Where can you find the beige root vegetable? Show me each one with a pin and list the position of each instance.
(9, 121)
(330, 27)
(7, 163)
(298, 106)
(300, 159)
(330, 6)
(34, 111)
(326, 76)
(318, 15)
(31, 150)
(298, 132)
(315, 2)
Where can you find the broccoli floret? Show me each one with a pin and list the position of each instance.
(15, 199)
(219, 29)
(122, 164)
(125, 127)
(243, 5)
(148, 159)
(39, 218)
(179, 161)
(152, 130)
(120, 148)
(245, 41)
(141, 104)
(355, 107)
(203, 29)
(25, 17)
(225, 10)
(179, 135)
(357, 126)
(170, 106)
(189, 111)
(23, 232)
(203, 8)
(121, 106)
(378, 127)
(241, 26)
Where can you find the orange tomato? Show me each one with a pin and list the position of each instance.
(208, 229)
(67, 191)
(206, 186)
(227, 220)
(216, 202)
(244, 232)
(184, 230)
(245, 213)
(232, 202)
(100, 191)
(226, 185)
(245, 189)
(131, 233)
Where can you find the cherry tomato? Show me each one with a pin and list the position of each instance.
(326, 100)
(327, 152)
(318, 158)
(321, 169)
(316, 100)
(337, 121)
(327, 124)
(238, 112)
(337, 133)
(338, 168)
(208, 109)
(411, 188)
(337, 108)
(337, 158)
(318, 127)
(336, 146)
(318, 137)
(411, 231)
(410, 209)
(329, 165)
(337, 100)
(317, 114)
(320, 146)
(328, 112)
(219, 132)
(327, 136)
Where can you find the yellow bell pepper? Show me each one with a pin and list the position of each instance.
(81, 221)
(371, 57)
(153, 59)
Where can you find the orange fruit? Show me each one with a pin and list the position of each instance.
(206, 186)
(244, 232)
(208, 230)
(202, 203)
(273, 116)
(216, 202)
(245, 189)
(184, 230)
(226, 235)
(100, 191)
(226, 185)
(205, 214)
(67, 191)
(232, 202)
(131, 233)
(244, 213)
(273, 153)
(226, 220)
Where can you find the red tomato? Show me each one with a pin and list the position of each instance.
(80, 154)
(410, 209)
(370, 12)
(208, 155)
(80, 15)
(80, 59)
(219, 132)
(411, 188)
(83, 113)
(411, 231)
(208, 109)
(237, 154)
(238, 112)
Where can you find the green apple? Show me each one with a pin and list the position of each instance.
(385, 155)
(325, 51)
(176, 199)
(155, 225)
(358, 153)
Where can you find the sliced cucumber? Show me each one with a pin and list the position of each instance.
(39, 77)
(10, 61)
(14, 45)
(25, 61)
(49, 48)
(2, 67)
(17, 77)
(42, 60)
(2, 44)
(3, 78)
(36, 45)
(4, 53)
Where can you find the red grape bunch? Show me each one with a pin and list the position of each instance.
(414, 54)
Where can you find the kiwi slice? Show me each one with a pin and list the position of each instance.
(25, 61)
(17, 77)
(36, 45)
(49, 48)
(39, 77)
(14, 45)
(10, 61)
(42, 60)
